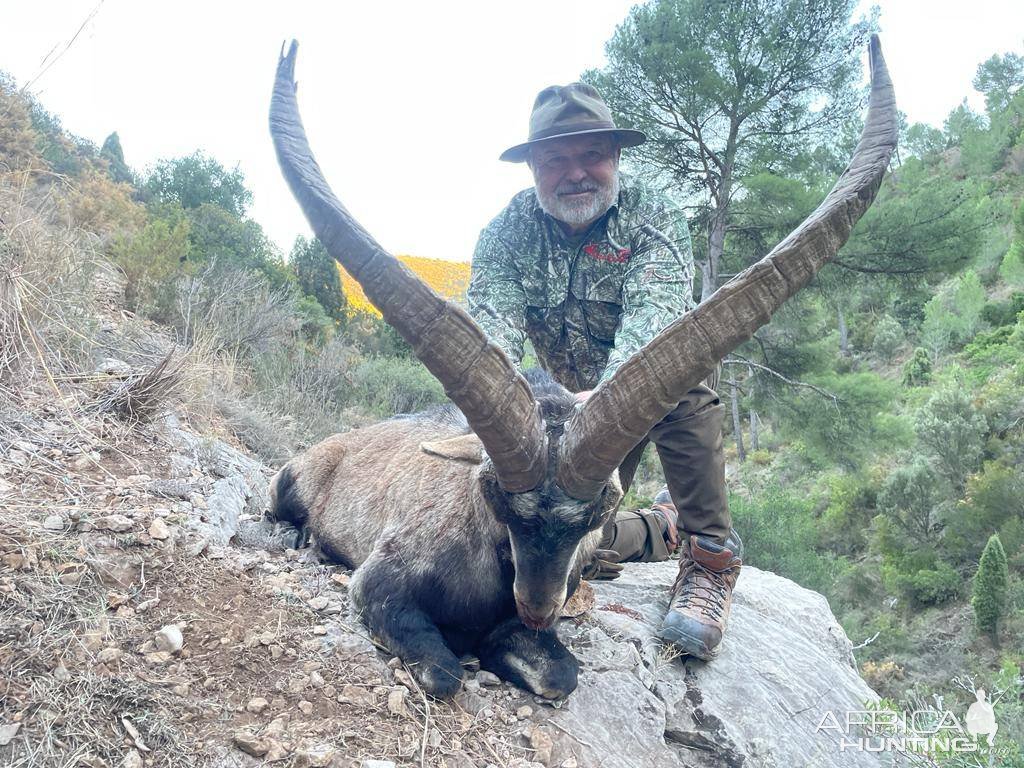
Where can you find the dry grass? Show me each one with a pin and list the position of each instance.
(14, 344)
(46, 267)
(144, 395)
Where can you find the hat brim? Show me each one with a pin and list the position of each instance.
(626, 137)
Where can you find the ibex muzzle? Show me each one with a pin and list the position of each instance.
(468, 527)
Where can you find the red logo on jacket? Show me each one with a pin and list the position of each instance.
(605, 252)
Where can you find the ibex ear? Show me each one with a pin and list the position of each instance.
(462, 448)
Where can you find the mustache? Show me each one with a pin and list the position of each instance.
(574, 188)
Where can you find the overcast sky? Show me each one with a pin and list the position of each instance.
(407, 104)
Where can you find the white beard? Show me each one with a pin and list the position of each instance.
(581, 212)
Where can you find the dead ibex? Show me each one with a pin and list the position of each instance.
(468, 525)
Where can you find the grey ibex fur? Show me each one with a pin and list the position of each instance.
(468, 525)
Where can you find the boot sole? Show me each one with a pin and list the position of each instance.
(687, 643)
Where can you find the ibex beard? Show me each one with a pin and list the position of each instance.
(446, 562)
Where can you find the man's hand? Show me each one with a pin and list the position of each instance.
(581, 397)
(604, 565)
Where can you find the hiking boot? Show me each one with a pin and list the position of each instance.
(702, 595)
(668, 518)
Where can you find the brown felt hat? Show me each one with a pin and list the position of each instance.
(570, 110)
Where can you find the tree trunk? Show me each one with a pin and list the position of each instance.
(716, 246)
(755, 422)
(737, 423)
(844, 336)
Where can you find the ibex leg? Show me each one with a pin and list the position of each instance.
(408, 632)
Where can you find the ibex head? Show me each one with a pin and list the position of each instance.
(552, 479)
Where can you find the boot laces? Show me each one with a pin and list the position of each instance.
(703, 588)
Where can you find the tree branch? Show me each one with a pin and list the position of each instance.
(740, 360)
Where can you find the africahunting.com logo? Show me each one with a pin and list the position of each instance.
(925, 731)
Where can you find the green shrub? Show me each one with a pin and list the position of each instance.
(66, 154)
(318, 276)
(373, 337)
(1012, 268)
(889, 336)
(780, 534)
(931, 586)
(851, 505)
(890, 641)
(197, 180)
(389, 386)
(910, 497)
(953, 315)
(918, 369)
(999, 313)
(152, 260)
(846, 430)
(952, 431)
(993, 503)
(317, 327)
(220, 238)
(117, 169)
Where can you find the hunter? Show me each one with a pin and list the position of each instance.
(589, 266)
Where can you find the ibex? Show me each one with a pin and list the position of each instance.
(468, 525)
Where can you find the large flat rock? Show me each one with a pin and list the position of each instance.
(785, 662)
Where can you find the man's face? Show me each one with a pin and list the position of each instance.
(576, 178)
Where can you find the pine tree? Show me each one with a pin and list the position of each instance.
(318, 276)
(1012, 268)
(718, 87)
(990, 587)
(114, 155)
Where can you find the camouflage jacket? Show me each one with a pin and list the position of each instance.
(587, 303)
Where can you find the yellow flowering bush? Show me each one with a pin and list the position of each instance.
(448, 278)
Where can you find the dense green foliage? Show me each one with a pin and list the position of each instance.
(197, 180)
(117, 168)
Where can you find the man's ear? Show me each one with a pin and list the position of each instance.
(461, 448)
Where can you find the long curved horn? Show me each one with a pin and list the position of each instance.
(475, 373)
(653, 381)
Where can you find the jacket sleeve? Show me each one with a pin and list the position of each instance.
(658, 287)
(497, 301)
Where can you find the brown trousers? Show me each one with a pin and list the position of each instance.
(689, 444)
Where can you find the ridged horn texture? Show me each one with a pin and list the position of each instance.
(653, 381)
(475, 373)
